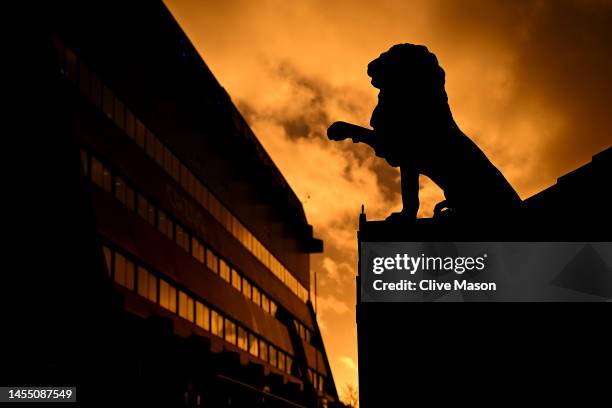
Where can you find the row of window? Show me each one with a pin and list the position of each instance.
(303, 331)
(133, 275)
(158, 218)
(316, 379)
(91, 86)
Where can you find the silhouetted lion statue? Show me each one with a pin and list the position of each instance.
(413, 129)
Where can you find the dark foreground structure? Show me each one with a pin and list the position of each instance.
(176, 256)
(484, 353)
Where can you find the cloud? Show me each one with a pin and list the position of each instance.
(539, 104)
(327, 305)
(338, 274)
(527, 80)
(291, 121)
(346, 360)
(332, 304)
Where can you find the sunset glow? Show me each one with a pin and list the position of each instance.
(527, 81)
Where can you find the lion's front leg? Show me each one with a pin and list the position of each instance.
(410, 195)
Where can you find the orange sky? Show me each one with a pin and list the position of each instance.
(527, 80)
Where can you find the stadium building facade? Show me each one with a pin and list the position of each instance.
(203, 245)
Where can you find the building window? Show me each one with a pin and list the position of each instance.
(167, 296)
(263, 350)
(182, 238)
(101, 175)
(197, 250)
(273, 356)
(230, 331)
(253, 345)
(236, 280)
(164, 224)
(256, 296)
(124, 271)
(202, 316)
(246, 288)
(120, 190)
(243, 339)
(265, 303)
(146, 210)
(224, 270)
(281, 360)
(108, 258)
(273, 307)
(119, 269)
(147, 284)
(289, 364)
(185, 304)
(212, 261)
(107, 180)
(216, 323)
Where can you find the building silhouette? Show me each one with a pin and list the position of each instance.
(185, 272)
(481, 353)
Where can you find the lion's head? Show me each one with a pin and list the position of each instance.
(410, 69)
